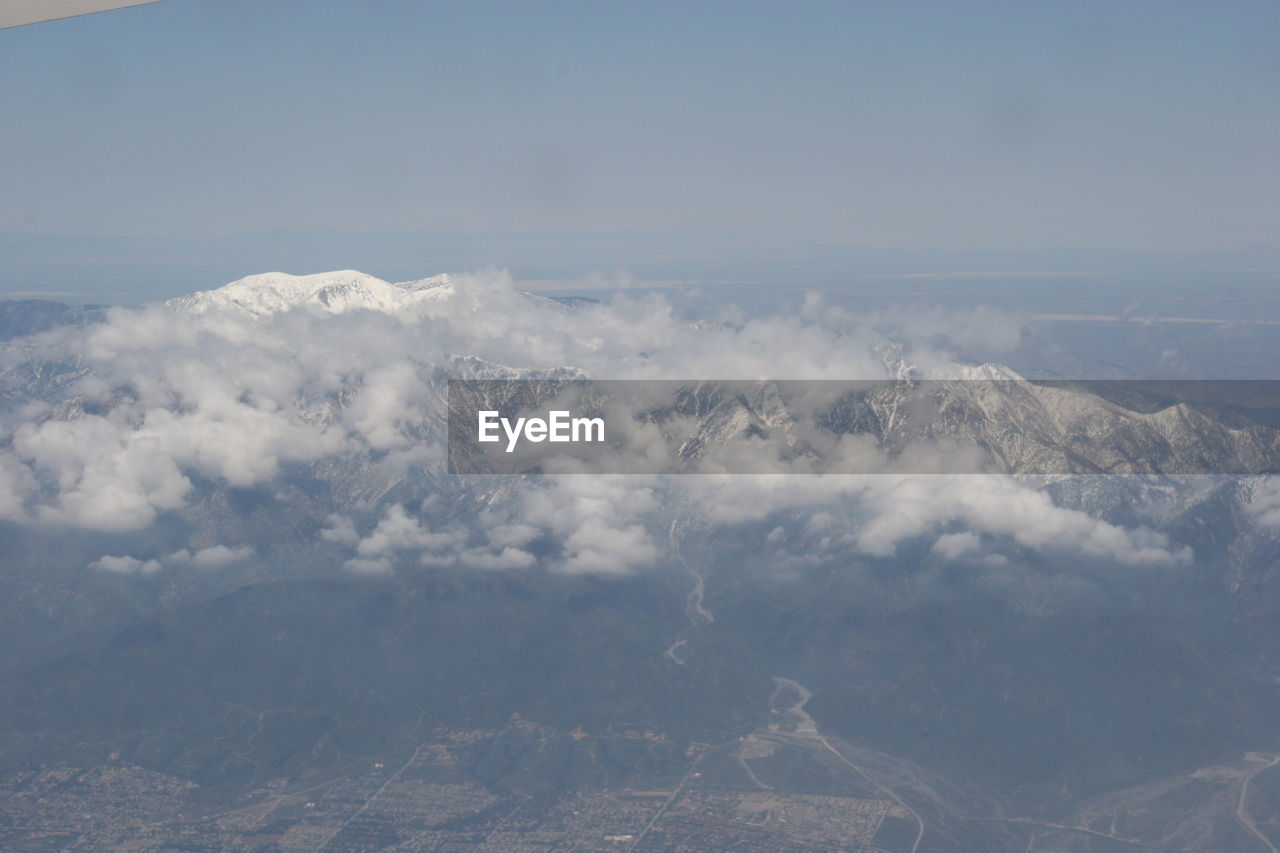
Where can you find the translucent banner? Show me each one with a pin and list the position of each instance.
(1043, 427)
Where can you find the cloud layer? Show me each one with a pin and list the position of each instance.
(142, 414)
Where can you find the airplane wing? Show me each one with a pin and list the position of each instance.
(15, 13)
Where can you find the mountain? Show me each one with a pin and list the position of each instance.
(22, 317)
(334, 292)
(246, 607)
(988, 420)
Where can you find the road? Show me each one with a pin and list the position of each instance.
(807, 728)
(1242, 806)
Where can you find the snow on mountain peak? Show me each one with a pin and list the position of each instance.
(266, 294)
(437, 285)
(989, 372)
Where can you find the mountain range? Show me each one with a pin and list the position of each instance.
(233, 555)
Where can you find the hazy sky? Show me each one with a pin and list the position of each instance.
(1136, 124)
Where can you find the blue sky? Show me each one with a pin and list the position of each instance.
(1137, 125)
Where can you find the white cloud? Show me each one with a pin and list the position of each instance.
(398, 531)
(366, 566)
(952, 546)
(912, 506)
(126, 565)
(1265, 505)
(234, 396)
(15, 484)
(598, 520)
(896, 508)
(340, 530)
(507, 558)
(173, 398)
(214, 557)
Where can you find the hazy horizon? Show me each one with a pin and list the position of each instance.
(911, 125)
(129, 270)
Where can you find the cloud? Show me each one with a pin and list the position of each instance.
(168, 393)
(367, 566)
(893, 509)
(340, 530)
(210, 558)
(907, 507)
(111, 473)
(15, 483)
(598, 520)
(165, 404)
(215, 557)
(952, 546)
(595, 525)
(507, 558)
(398, 531)
(1264, 507)
(126, 565)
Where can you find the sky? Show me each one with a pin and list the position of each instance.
(1137, 125)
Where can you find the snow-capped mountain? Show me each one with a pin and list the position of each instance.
(287, 428)
(159, 423)
(332, 292)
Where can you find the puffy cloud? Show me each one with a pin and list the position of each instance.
(233, 386)
(907, 507)
(166, 400)
(595, 547)
(952, 546)
(110, 473)
(598, 520)
(1265, 504)
(126, 565)
(591, 524)
(15, 483)
(894, 509)
(507, 558)
(340, 530)
(210, 558)
(398, 531)
(512, 535)
(367, 566)
(214, 557)
(391, 400)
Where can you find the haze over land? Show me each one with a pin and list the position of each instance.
(270, 456)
